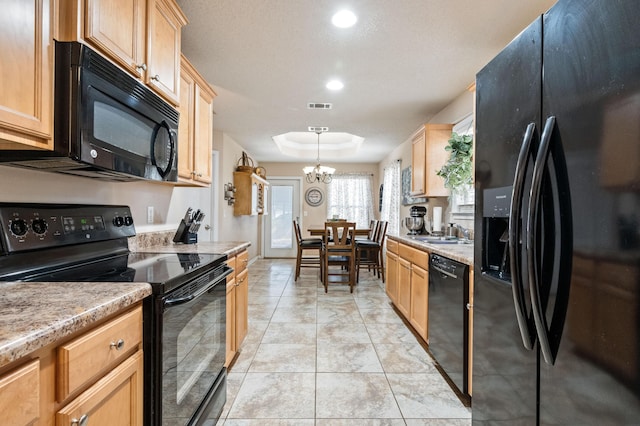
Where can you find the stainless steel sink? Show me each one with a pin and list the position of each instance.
(435, 240)
(441, 240)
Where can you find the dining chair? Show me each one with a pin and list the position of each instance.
(305, 245)
(339, 254)
(369, 252)
(373, 225)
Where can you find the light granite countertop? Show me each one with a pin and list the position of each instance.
(460, 252)
(230, 248)
(36, 314)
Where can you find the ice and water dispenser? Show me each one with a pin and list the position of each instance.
(495, 235)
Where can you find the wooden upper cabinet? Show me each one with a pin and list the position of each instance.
(165, 22)
(428, 155)
(118, 28)
(195, 134)
(185, 126)
(141, 36)
(26, 74)
(418, 157)
(251, 194)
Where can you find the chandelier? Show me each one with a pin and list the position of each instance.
(318, 173)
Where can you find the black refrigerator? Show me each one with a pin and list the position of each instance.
(556, 309)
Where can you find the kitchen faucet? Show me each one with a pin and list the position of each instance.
(463, 230)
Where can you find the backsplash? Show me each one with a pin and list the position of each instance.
(148, 239)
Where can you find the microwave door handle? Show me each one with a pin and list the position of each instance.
(515, 231)
(172, 147)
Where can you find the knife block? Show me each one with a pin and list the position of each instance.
(183, 235)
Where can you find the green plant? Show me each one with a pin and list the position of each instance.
(457, 171)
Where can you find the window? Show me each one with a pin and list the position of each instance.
(463, 201)
(349, 196)
(391, 197)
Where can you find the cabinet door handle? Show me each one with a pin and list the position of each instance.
(83, 421)
(155, 78)
(118, 345)
(469, 306)
(141, 67)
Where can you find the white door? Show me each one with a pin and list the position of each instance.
(284, 206)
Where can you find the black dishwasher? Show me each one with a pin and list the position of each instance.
(448, 318)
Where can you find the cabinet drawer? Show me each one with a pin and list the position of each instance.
(415, 256)
(115, 399)
(20, 390)
(242, 260)
(97, 351)
(392, 246)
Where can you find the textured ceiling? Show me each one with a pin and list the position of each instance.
(401, 63)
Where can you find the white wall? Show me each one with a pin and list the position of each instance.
(169, 203)
(458, 109)
(318, 215)
(230, 227)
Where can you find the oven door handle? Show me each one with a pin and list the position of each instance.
(199, 292)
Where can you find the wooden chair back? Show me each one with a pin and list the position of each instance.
(381, 232)
(296, 230)
(339, 234)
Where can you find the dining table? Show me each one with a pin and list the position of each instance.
(318, 230)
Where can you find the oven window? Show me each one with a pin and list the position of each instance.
(122, 127)
(193, 351)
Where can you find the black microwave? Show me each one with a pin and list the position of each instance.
(106, 123)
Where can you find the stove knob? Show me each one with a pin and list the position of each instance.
(39, 226)
(118, 221)
(128, 220)
(18, 227)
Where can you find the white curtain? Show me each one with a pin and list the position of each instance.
(391, 197)
(350, 197)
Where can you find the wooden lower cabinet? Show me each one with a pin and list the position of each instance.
(419, 300)
(242, 306)
(391, 285)
(114, 400)
(408, 284)
(237, 304)
(404, 287)
(80, 378)
(20, 399)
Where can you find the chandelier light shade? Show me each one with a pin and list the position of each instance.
(318, 173)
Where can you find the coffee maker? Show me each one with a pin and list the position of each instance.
(415, 222)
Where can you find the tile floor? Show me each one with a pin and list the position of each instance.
(312, 358)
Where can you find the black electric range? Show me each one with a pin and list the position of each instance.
(184, 319)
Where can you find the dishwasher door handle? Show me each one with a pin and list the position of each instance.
(443, 272)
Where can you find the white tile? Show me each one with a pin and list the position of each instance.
(275, 396)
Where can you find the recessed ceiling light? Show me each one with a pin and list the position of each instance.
(344, 19)
(335, 85)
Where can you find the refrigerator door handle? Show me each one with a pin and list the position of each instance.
(515, 232)
(549, 335)
(532, 234)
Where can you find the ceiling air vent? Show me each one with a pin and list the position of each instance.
(318, 129)
(313, 105)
